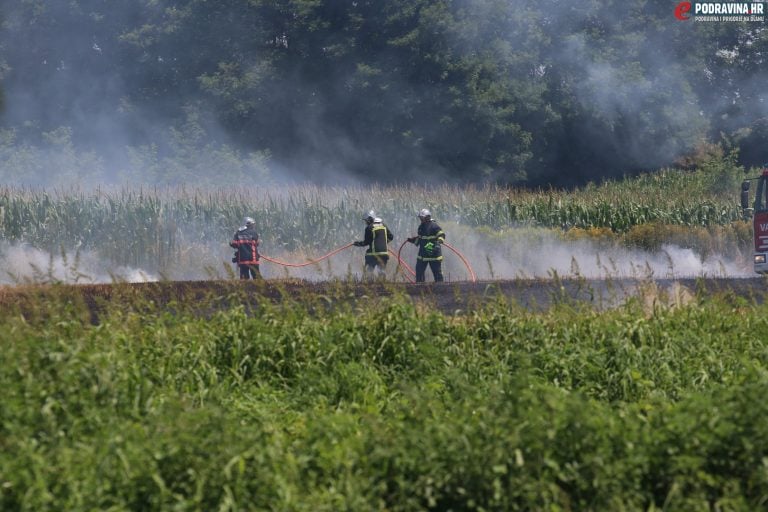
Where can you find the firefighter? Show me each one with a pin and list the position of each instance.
(430, 238)
(246, 243)
(376, 237)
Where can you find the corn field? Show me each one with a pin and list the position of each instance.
(158, 227)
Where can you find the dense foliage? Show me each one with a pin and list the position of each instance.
(384, 408)
(470, 90)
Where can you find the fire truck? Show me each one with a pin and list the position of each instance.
(759, 213)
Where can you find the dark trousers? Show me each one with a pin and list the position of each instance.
(436, 266)
(249, 271)
(371, 262)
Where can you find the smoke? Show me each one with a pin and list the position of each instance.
(530, 254)
(99, 93)
(23, 264)
(334, 93)
(82, 105)
(637, 105)
(513, 253)
(541, 254)
(535, 253)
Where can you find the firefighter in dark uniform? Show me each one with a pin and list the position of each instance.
(430, 238)
(376, 237)
(246, 243)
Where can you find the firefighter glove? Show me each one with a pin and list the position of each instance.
(412, 239)
(359, 244)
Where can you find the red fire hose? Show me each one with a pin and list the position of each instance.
(400, 261)
(310, 262)
(472, 275)
(332, 253)
(466, 263)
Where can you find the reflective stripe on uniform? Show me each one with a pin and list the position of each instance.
(434, 239)
(372, 251)
(440, 235)
(254, 253)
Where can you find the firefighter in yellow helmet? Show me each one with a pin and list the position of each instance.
(376, 237)
(430, 237)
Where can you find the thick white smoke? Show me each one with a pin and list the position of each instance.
(23, 264)
(523, 253)
(538, 253)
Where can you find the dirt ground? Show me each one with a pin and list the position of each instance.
(450, 298)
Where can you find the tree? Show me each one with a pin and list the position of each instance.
(527, 92)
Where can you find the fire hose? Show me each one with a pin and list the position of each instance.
(332, 253)
(464, 260)
(310, 262)
(400, 261)
(472, 275)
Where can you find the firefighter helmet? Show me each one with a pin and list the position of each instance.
(424, 213)
(248, 221)
(369, 216)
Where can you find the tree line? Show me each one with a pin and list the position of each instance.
(528, 92)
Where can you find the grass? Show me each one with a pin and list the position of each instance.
(382, 405)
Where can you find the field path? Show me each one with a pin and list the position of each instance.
(450, 298)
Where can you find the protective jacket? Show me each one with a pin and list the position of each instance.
(377, 235)
(246, 243)
(431, 236)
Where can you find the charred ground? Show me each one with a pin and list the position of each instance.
(207, 297)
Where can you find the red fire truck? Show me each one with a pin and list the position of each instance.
(759, 214)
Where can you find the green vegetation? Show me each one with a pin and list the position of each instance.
(384, 406)
(525, 92)
(339, 399)
(159, 227)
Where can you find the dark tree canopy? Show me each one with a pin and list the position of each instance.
(525, 91)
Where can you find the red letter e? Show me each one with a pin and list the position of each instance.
(682, 9)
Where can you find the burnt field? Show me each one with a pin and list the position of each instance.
(206, 297)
